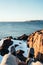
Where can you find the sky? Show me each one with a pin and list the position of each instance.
(21, 10)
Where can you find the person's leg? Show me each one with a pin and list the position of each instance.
(9, 59)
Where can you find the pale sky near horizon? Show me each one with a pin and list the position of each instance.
(21, 10)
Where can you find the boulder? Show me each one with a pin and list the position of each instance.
(4, 45)
(15, 39)
(20, 55)
(23, 37)
(20, 51)
(35, 41)
(9, 59)
(10, 37)
(31, 53)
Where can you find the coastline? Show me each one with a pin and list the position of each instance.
(21, 41)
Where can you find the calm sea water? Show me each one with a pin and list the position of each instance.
(16, 29)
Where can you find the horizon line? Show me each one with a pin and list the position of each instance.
(20, 20)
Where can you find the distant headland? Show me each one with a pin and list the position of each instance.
(34, 21)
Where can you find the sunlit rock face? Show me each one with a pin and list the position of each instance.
(35, 41)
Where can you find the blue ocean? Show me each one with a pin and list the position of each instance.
(16, 29)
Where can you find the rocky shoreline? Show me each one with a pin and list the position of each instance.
(34, 42)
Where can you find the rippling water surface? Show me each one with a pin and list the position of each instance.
(18, 28)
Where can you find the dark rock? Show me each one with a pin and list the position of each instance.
(10, 37)
(20, 43)
(20, 51)
(40, 57)
(4, 51)
(13, 51)
(22, 63)
(4, 48)
(15, 39)
(31, 53)
(16, 45)
(23, 37)
(20, 55)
